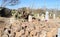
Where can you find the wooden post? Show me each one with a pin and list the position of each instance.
(42, 17)
(47, 16)
(38, 16)
(53, 16)
(30, 18)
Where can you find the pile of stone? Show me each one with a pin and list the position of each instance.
(28, 29)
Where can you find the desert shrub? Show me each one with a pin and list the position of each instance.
(5, 12)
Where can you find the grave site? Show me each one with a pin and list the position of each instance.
(28, 26)
(29, 18)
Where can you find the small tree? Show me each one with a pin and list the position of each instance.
(5, 3)
(9, 2)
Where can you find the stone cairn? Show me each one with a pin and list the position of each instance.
(27, 29)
